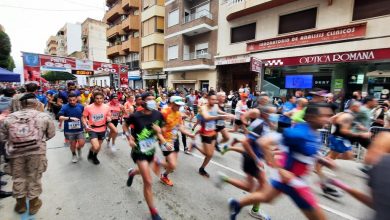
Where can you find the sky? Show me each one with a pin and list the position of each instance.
(30, 23)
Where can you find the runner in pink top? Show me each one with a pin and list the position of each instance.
(96, 118)
(116, 110)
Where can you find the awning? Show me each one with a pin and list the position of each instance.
(379, 73)
(8, 76)
(184, 81)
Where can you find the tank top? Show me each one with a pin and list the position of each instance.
(208, 127)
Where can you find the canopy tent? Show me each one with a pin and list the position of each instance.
(8, 76)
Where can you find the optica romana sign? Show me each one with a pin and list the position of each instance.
(311, 37)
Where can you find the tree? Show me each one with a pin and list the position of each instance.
(6, 60)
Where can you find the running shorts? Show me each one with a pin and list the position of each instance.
(176, 148)
(99, 135)
(339, 144)
(301, 194)
(238, 122)
(219, 128)
(208, 139)
(249, 166)
(74, 136)
(139, 156)
(115, 122)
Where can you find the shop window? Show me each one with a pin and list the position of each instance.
(173, 18)
(368, 9)
(298, 21)
(243, 33)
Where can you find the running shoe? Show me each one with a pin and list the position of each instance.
(234, 208)
(130, 178)
(123, 136)
(90, 155)
(328, 190)
(259, 215)
(113, 148)
(166, 180)
(74, 159)
(220, 180)
(224, 149)
(95, 160)
(203, 172)
(156, 217)
(186, 151)
(109, 145)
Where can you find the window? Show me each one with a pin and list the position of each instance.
(173, 52)
(173, 18)
(201, 49)
(153, 52)
(153, 25)
(243, 33)
(368, 9)
(298, 21)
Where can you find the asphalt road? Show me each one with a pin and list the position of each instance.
(85, 191)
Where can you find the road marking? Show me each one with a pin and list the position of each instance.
(334, 211)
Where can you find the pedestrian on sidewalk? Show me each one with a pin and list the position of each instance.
(26, 132)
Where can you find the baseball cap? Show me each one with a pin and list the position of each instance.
(177, 100)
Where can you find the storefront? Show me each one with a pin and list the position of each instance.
(135, 80)
(194, 79)
(340, 73)
(154, 79)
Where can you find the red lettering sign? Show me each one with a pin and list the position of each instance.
(106, 67)
(57, 62)
(351, 56)
(312, 37)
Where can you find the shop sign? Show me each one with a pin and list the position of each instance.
(312, 37)
(232, 60)
(339, 83)
(321, 82)
(58, 62)
(352, 56)
(82, 72)
(256, 65)
(106, 67)
(84, 64)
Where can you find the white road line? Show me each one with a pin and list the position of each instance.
(334, 211)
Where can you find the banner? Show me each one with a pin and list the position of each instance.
(84, 64)
(59, 62)
(124, 76)
(82, 72)
(312, 37)
(106, 67)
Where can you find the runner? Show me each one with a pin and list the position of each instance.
(143, 141)
(163, 103)
(209, 114)
(201, 102)
(96, 118)
(301, 145)
(116, 110)
(221, 97)
(72, 113)
(253, 157)
(129, 108)
(241, 108)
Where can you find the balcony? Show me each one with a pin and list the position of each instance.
(195, 56)
(199, 14)
(191, 61)
(131, 45)
(126, 4)
(114, 31)
(115, 50)
(113, 13)
(197, 23)
(132, 22)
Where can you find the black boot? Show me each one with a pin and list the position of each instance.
(90, 155)
(95, 159)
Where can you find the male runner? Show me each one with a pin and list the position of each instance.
(143, 141)
(173, 124)
(241, 108)
(220, 127)
(209, 114)
(96, 118)
(300, 151)
(72, 113)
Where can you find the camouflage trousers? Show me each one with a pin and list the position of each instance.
(26, 174)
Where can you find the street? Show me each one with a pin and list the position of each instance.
(85, 191)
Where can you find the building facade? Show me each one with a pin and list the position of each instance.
(51, 46)
(123, 35)
(339, 46)
(66, 42)
(152, 43)
(191, 43)
(94, 43)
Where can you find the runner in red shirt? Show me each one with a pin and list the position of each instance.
(116, 110)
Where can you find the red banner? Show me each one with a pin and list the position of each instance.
(106, 67)
(124, 76)
(351, 56)
(312, 37)
(58, 62)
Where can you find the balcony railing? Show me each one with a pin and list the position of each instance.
(199, 14)
(232, 2)
(194, 56)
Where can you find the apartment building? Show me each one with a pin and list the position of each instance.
(152, 43)
(51, 46)
(339, 46)
(94, 43)
(66, 41)
(123, 36)
(191, 43)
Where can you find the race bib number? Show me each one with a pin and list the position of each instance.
(147, 145)
(115, 115)
(73, 125)
(97, 117)
(210, 126)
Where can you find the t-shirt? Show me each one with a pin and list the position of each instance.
(172, 120)
(364, 117)
(75, 111)
(142, 131)
(115, 111)
(288, 106)
(97, 116)
(241, 107)
(379, 183)
(64, 95)
(208, 127)
(127, 107)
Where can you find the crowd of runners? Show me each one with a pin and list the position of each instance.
(281, 136)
